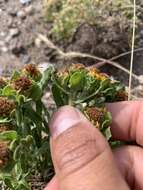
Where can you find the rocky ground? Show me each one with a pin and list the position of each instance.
(19, 25)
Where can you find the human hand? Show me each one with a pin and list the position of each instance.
(83, 158)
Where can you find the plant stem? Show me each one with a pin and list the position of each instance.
(132, 54)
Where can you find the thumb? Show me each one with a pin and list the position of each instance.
(82, 157)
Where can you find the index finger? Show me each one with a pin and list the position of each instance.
(127, 121)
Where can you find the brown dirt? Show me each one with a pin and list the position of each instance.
(19, 44)
(102, 42)
(18, 34)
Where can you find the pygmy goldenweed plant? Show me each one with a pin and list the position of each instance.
(88, 90)
(24, 134)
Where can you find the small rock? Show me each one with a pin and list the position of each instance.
(25, 59)
(141, 32)
(2, 34)
(29, 10)
(8, 38)
(4, 49)
(141, 42)
(43, 66)
(15, 46)
(141, 79)
(21, 14)
(2, 43)
(10, 22)
(14, 32)
(12, 12)
(25, 1)
(1, 71)
(38, 42)
(19, 22)
(140, 88)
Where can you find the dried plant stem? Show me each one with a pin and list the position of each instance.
(132, 53)
(100, 64)
(71, 55)
(126, 53)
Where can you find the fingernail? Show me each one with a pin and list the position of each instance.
(65, 118)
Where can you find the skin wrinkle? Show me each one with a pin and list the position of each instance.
(129, 173)
(96, 171)
(79, 153)
(138, 123)
(77, 159)
(74, 154)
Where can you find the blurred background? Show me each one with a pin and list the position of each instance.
(101, 28)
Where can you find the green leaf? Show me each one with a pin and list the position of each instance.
(4, 175)
(107, 133)
(58, 84)
(44, 148)
(29, 139)
(33, 115)
(35, 92)
(8, 91)
(116, 144)
(19, 116)
(18, 170)
(8, 135)
(5, 120)
(20, 99)
(106, 120)
(105, 83)
(76, 81)
(46, 77)
(57, 95)
(23, 185)
(15, 75)
(13, 145)
(39, 106)
(17, 153)
(8, 183)
(8, 168)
